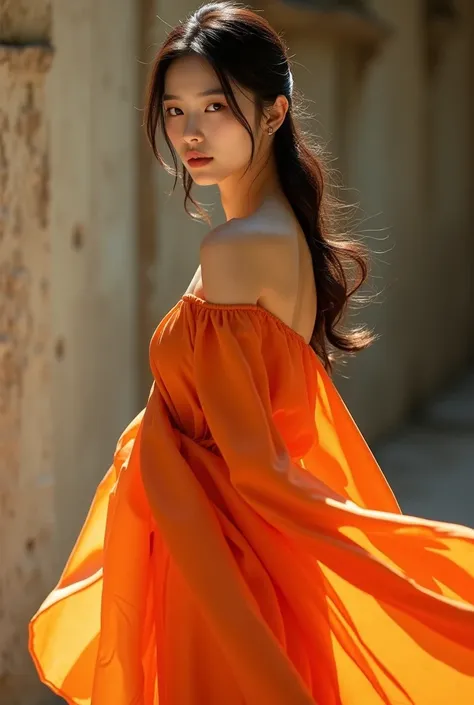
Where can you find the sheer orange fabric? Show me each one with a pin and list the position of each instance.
(245, 548)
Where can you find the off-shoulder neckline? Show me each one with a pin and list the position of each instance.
(192, 298)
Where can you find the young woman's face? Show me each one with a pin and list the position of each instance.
(198, 118)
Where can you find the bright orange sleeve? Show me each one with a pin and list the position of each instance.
(365, 552)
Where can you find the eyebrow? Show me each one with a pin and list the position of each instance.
(210, 91)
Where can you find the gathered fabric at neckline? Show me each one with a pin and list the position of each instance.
(291, 332)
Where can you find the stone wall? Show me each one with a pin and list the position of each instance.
(23, 21)
(26, 472)
(69, 122)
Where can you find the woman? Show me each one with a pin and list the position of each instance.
(245, 548)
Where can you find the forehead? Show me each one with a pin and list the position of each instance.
(190, 74)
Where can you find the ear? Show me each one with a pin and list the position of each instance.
(274, 116)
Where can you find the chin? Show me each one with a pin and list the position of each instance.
(204, 179)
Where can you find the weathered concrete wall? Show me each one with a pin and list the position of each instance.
(26, 480)
(147, 242)
(385, 163)
(94, 128)
(25, 21)
(449, 208)
(410, 160)
(68, 370)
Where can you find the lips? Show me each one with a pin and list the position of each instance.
(196, 155)
(197, 159)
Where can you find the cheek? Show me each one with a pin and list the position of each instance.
(173, 131)
(233, 136)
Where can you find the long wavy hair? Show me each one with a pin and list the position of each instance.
(241, 46)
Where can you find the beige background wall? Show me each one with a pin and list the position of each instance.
(93, 251)
(411, 161)
(94, 135)
(385, 165)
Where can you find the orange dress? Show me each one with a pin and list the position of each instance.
(246, 549)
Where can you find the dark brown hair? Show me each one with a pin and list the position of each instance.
(241, 46)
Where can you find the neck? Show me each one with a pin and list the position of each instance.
(243, 193)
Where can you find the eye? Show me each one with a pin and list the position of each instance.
(221, 105)
(168, 111)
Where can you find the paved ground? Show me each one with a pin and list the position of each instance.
(430, 463)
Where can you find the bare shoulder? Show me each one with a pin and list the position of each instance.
(239, 260)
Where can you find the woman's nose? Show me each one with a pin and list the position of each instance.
(192, 131)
